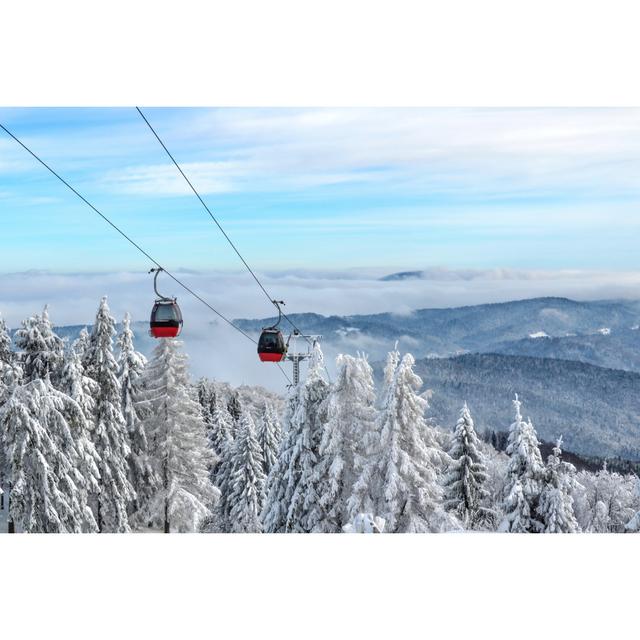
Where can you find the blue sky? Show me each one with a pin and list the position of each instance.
(324, 188)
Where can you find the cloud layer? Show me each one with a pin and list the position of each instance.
(218, 351)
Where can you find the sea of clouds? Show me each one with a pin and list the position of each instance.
(218, 351)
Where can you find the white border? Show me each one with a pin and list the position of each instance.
(335, 52)
(370, 53)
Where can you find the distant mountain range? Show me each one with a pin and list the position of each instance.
(403, 275)
(605, 333)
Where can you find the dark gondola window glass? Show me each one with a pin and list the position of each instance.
(165, 313)
(270, 341)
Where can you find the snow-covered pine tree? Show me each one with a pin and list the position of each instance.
(220, 521)
(633, 526)
(48, 491)
(405, 478)
(343, 449)
(555, 507)
(10, 371)
(234, 407)
(269, 436)
(364, 523)
(613, 501)
(83, 391)
(464, 483)
(525, 475)
(41, 350)
(173, 422)
(81, 343)
(247, 479)
(364, 497)
(291, 503)
(109, 432)
(131, 363)
(206, 397)
(219, 427)
(219, 431)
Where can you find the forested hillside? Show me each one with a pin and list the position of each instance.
(596, 410)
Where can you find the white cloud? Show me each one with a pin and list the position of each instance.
(216, 350)
(493, 151)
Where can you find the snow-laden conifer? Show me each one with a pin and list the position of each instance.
(525, 475)
(614, 502)
(109, 433)
(291, 504)
(343, 449)
(81, 343)
(269, 436)
(48, 492)
(247, 479)
(555, 506)
(221, 521)
(219, 430)
(406, 490)
(220, 439)
(41, 350)
(234, 407)
(464, 483)
(367, 488)
(131, 363)
(83, 390)
(365, 523)
(633, 526)
(10, 370)
(173, 422)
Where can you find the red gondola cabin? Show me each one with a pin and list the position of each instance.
(271, 346)
(166, 319)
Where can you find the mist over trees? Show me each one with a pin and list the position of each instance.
(95, 438)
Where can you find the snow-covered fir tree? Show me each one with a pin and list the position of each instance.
(291, 504)
(555, 507)
(269, 436)
(81, 343)
(464, 483)
(406, 491)
(10, 370)
(220, 439)
(525, 477)
(207, 397)
(219, 431)
(220, 521)
(365, 523)
(634, 524)
(173, 422)
(247, 479)
(83, 390)
(48, 491)
(234, 407)
(109, 433)
(613, 501)
(131, 363)
(364, 495)
(41, 350)
(343, 449)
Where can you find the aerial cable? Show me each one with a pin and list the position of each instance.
(130, 240)
(224, 233)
